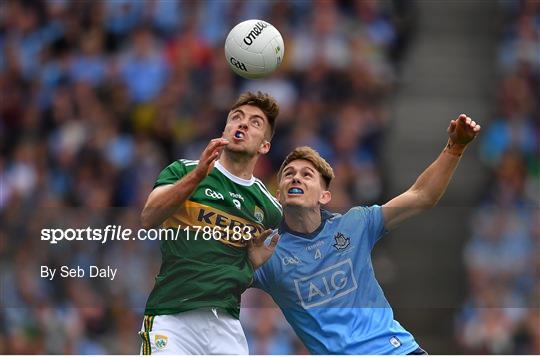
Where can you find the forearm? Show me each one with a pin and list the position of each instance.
(165, 200)
(432, 183)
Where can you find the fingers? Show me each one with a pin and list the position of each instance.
(460, 121)
(265, 234)
(217, 143)
(274, 241)
(466, 122)
(472, 125)
(210, 154)
(214, 149)
(452, 126)
(261, 237)
(222, 141)
(463, 120)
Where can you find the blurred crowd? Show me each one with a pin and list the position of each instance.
(502, 258)
(98, 96)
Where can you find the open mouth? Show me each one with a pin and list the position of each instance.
(239, 135)
(295, 191)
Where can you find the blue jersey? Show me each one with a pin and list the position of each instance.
(325, 285)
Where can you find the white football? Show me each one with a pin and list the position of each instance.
(254, 49)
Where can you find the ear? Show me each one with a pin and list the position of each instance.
(265, 147)
(326, 196)
(278, 195)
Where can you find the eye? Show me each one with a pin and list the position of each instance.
(308, 174)
(288, 173)
(235, 117)
(256, 122)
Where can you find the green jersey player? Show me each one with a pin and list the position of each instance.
(214, 205)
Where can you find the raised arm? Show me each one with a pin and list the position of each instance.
(165, 200)
(431, 184)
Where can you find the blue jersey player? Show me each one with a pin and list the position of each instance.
(320, 274)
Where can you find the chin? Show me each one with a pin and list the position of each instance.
(240, 150)
(295, 202)
(236, 148)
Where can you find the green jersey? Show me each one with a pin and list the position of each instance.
(205, 264)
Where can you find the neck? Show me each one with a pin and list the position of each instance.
(302, 220)
(237, 164)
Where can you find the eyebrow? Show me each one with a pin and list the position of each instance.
(243, 113)
(288, 168)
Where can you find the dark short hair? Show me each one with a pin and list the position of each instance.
(265, 102)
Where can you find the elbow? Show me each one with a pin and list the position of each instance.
(425, 200)
(430, 202)
(434, 198)
(146, 223)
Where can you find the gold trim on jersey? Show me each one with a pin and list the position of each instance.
(196, 216)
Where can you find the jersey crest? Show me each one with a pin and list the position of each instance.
(342, 242)
(259, 214)
(160, 341)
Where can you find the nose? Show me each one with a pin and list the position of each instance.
(296, 179)
(243, 124)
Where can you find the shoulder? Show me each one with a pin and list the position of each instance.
(372, 220)
(175, 171)
(187, 164)
(259, 186)
(181, 165)
(363, 211)
(364, 216)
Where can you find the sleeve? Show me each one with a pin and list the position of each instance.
(258, 278)
(263, 276)
(373, 220)
(171, 174)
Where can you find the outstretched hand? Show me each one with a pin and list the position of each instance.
(463, 130)
(258, 251)
(209, 156)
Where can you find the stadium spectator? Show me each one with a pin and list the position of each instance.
(503, 253)
(97, 96)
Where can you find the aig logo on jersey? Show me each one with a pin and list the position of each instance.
(329, 284)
